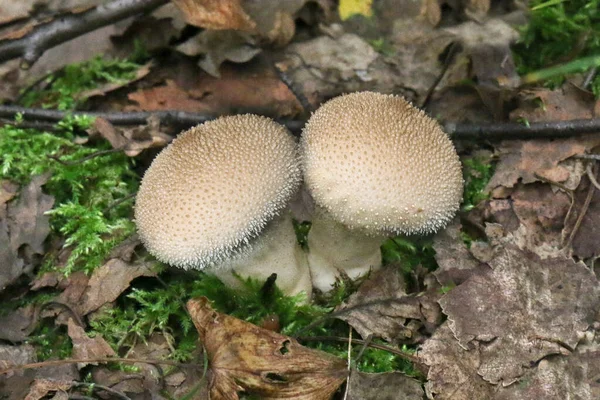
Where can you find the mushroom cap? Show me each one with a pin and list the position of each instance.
(378, 164)
(214, 189)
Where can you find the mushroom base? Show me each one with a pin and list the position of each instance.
(275, 251)
(334, 248)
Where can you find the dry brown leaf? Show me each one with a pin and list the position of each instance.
(109, 281)
(41, 388)
(108, 87)
(559, 378)
(381, 307)
(131, 140)
(216, 14)
(24, 227)
(456, 263)
(244, 357)
(522, 309)
(387, 386)
(585, 243)
(85, 347)
(168, 97)
(453, 369)
(15, 384)
(17, 325)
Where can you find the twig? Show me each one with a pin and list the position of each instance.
(362, 343)
(591, 176)
(298, 94)
(119, 202)
(66, 27)
(94, 386)
(452, 51)
(569, 193)
(53, 363)
(588, 156)
(86, 158)
(458, 131)
(584, 208)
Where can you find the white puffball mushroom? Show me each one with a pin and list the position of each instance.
(207, 198)
(377, 166)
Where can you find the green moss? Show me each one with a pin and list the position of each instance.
(83, 191)
(64, 88)
(477, 172)
(50, 341)
(559, 32)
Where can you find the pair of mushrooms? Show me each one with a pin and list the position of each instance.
(376, 166)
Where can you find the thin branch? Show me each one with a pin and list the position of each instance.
(66, 27)
(99, 153)
(584, 208)
(377, 346)
(53, 363)
(458, 131)
(94, 386)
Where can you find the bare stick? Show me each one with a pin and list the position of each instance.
(458, 131)
(53, 363)
(66, 27)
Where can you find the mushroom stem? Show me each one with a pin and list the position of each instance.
(334, 248)
(276, 250)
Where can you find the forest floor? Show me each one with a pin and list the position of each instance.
(502, 304)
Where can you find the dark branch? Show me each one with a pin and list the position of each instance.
(458, 131)
(66, 27)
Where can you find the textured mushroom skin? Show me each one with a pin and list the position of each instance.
(379, 165)
(213, 190)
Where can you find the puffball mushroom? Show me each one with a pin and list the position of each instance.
(376, 166)
(217, 197)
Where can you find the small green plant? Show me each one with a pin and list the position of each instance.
(84, 190)
(66, 89)
(559, 32)
(477, 172)
(50, 341)
(382, 46)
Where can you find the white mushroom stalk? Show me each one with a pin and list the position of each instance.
(378, 167)
(207, 198)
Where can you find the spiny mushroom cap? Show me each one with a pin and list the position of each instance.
(378, 164)
(214, 189)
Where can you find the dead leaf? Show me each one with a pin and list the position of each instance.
(558, 378)
(219, 46)
(453, 369)
(562, 104)
(522, 309)
(42, 387)
(387, 386)
(244, 357)
(168, 97)
(17, 325)
(525, 160)
(456, 263)
(85, 347)
(381, 307)
(585, 243)
(109, 281)
(23, 230)
(15, 384)
(132, 140)
(216, 14)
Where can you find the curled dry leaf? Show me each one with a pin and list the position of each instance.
(244, 357)
(132, 140)
(522, 309)
(216, 14)
(41, 388)
(387, 386)
(453, 369)
(558, 378)
(382, 308)
(24, 227)
(85, 347)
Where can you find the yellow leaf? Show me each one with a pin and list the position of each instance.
(348, 8)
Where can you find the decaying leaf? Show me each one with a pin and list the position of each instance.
(456, 263)
(381, 308)
(453, 370)
(23, 229)
(522, 309)
(109, 281)
(40, 388)
(18, 324)
(558, 378)
(132, 140)
(85, 347)
(387, 386)
(216, 14)
(244, 357)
